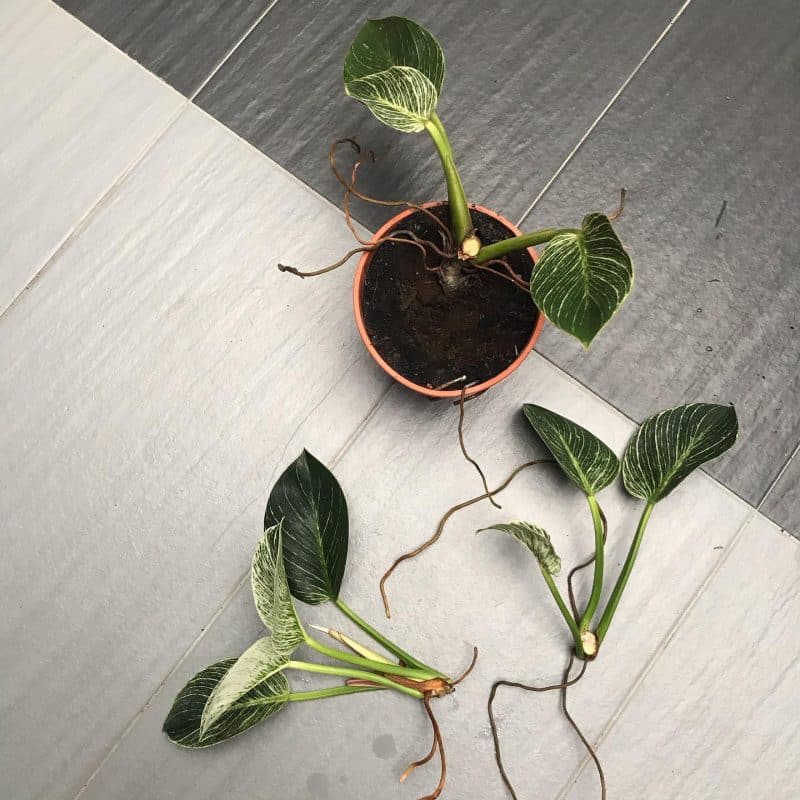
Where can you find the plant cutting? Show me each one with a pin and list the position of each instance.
(665, 449)
(450, 295)
(301, 555)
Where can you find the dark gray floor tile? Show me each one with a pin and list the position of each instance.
(181, 41)
(782, 504)
(524, 81)
(705, 139)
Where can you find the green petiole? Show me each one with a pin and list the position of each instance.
(599, 564)
(460, 219)
(385, 642)
(365, 663)
(562, 606)
(622, 581)
(515, 243)
(333, 691)
(325, 669)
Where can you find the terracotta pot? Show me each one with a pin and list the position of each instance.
(361, 272)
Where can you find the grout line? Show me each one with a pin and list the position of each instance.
(602, 114)
(233, 49)
(78, 226)
(779, 476)
(657, 654)
(186, 102)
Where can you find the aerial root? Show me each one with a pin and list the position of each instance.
(443, 521)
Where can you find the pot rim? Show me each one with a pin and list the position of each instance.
(358, 284)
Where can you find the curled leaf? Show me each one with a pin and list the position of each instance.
(271, 590)
(536, 539)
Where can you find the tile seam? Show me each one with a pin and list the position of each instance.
(605, 110)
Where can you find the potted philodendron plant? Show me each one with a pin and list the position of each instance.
(301, 555)
(450, 295)
(664, 450)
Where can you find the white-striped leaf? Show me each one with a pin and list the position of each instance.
(395, 67)
(585, 460)
(535, 539)
(582, 278)
(310, 504)
(271, 590)
(256, 665)
(673, 443)
(182, 724)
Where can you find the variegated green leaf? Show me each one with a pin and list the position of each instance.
(535, 539)
(257, 664)
(395, 67)
(582, 278)
(182, 724)
(271, 590)
(309, 502)
(673, 443)
(585, 460)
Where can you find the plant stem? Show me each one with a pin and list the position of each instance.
(506, 246)
(562, 606)
(367, 663)
(599, 563)
(325, 669)
(459, 210)
(384, 641)
(619, 588)
(333, 691)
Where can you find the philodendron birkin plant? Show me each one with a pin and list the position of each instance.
(302, 554)
(665, 449)
(446, 295)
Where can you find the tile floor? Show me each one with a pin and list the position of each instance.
(156, 374)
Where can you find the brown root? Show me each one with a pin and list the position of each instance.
(468, 669)
(437, 737)
(565, 682)
(463, 446)
(443, 521)
(508, 275)
(621, 208)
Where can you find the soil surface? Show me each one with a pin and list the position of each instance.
(432, 336)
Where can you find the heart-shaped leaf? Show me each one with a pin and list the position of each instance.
(585, 460)
(271, 590)
(395, 67)
(582, 278)
(309, 502)
(257, 664)
(673, 443)
(182, 724)
(535, 539)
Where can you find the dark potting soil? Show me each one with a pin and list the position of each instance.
(431, 336)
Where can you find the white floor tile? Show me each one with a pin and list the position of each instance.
(153, 381)
(400, 475)
(717, 715)
(74, 113)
